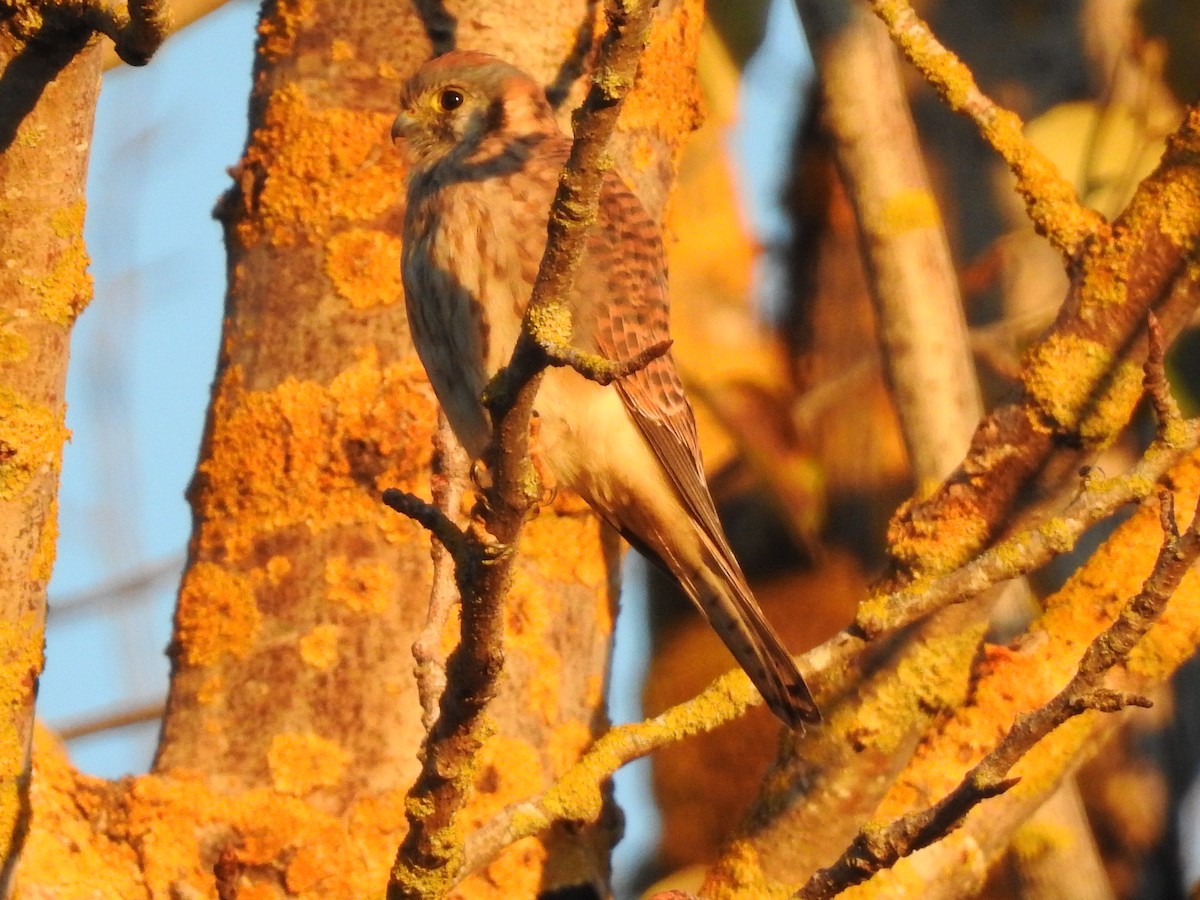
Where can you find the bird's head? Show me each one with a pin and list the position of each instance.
(464, 102)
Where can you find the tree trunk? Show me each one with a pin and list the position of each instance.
(48, 89)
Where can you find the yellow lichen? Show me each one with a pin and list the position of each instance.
(42, 564)
(1178, 207)
(318, 648)
(340, 50)
(322, 170)
(1081, 386)
(301, 763)
(740, 874)
(361, 586)
(65, 290)
(216, 615)
(14, 347)
(1011, 681)
(906, 211)
(364, 266)
(31, 442)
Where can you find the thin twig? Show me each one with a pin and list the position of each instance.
(1155, 383)
(876, 848)
(450, 467)
(1050, 199)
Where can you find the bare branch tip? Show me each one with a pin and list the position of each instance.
(602, 370)
(428, 516)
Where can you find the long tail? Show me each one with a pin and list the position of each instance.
(725, 599)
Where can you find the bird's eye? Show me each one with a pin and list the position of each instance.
(450, 99)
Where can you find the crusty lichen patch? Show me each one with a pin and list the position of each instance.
(301, 763)
(31, 441)
(321, 167)
(318, 648)
(289, 457)
(1081, 386)
(277, 32)
(216, 615)
(666, 100)
(364, 266)
(360, 585)
(64, 291)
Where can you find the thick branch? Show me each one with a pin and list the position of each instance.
(878, 848)
(136, 31)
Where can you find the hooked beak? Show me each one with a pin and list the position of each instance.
(402, 124)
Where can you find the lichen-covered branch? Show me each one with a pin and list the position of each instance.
(836, 664)
(430, 859)
(1050, 200)
(1080, 382)
(51, 82)
(876, 848)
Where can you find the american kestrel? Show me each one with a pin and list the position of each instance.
(484, 154)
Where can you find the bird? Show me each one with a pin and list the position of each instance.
(483, 154)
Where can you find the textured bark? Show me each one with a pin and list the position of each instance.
(49, 80)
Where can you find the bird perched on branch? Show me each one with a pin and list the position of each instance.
(484, 154)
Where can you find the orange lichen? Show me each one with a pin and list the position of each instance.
(278, 31)
(65, 856)
(277, 569)
(20, 663)
(318, 648)
(666, 99)
(322, 170)
(934, 546)
(364, 266)
(286, 458)
(211, 688)
(361, 586)
(31, 441)
(528, 617)
(567, 744)
(340, 50)
(216, 615)
(301, 763)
